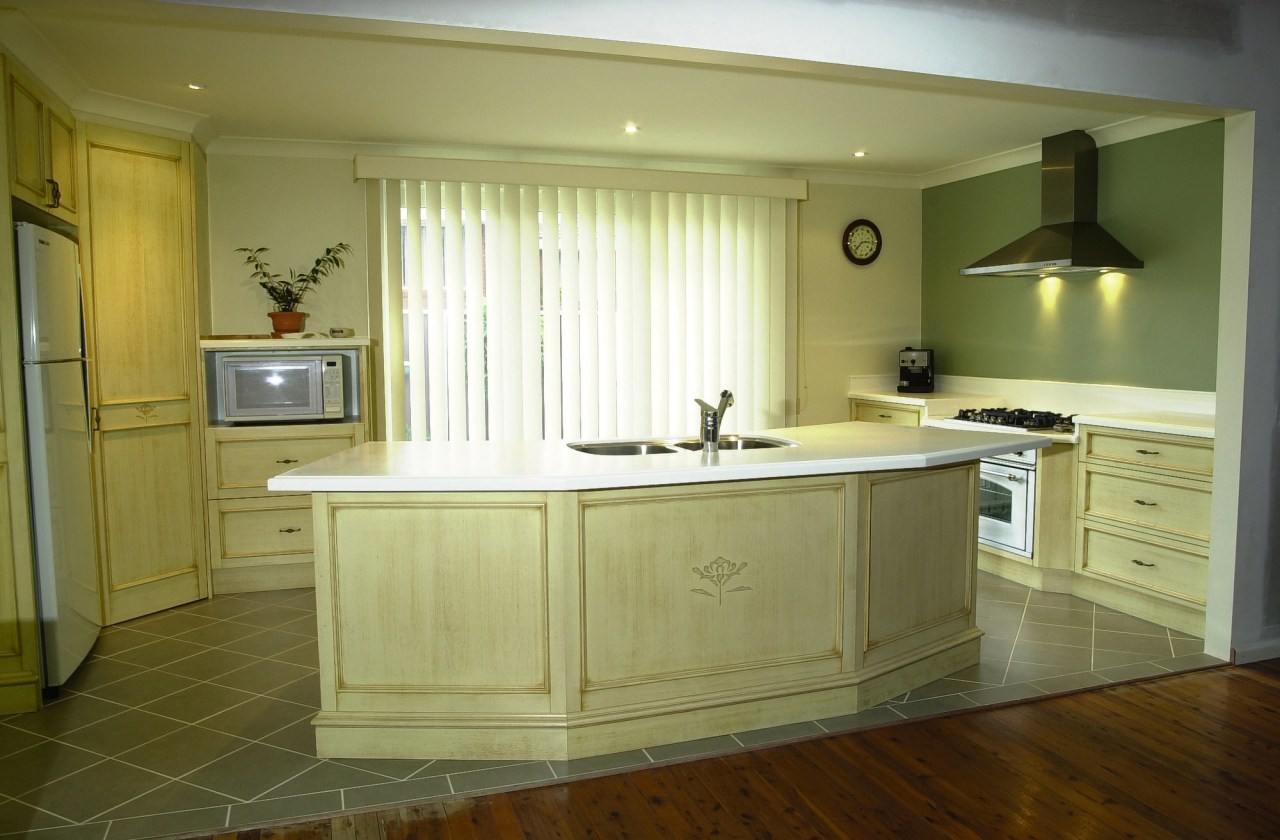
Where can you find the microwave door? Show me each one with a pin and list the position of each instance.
(272, 390)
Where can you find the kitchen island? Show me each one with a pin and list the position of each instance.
(530, 601)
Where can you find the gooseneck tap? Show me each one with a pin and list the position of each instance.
(712, 415)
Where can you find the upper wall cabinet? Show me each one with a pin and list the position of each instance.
(42, 146)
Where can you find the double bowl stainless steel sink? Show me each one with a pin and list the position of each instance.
(663, 446)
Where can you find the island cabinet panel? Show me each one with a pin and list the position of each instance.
(566, 624)
(918, 556)
(698, 589)
(439, 602)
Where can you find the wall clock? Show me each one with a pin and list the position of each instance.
(861, 242)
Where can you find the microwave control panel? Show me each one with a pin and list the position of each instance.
(334, 397)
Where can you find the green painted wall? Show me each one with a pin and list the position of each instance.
(1153, 327)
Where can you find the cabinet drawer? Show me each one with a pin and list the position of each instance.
(1179, 570)
(256, 532)
(239, 464)
(1193, 456)
(1175, 505)
(896, 415)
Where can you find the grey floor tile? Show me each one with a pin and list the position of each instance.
(201, 820)
(116, 640)
(1081, 637)
(286, 808)
(221, 607)
(13, 739)
(389, 793)
(159, 652)
(777, 734)
(19, 818)
(689, 749)
(1122, 673)
(1000, 619)
(1128, 624)
(278, 596)
(1116, 658)
(986, 672)
(1060, 616)
(198, 702)
(220, 634)
(304, 692)
(299, 737)
(262, 676)
(1029, 672)
(394, 769)
(1058, 599)
(305, 654)
(171, 623)
(875, 716)
(248, 773)
(1004, 693)
(271, 617)
(121, 733)
(996, 650)
(1133, 643)
(264, 643)
(326, 775)
(85, 795)
(208, 664)
(99, 671)
(256, 718)
(1046, 653)
(1186, 646)
(37, 766)
(1070, 682)
(934, 706)
(501, 777)
(169, 797)
(142, 688)
(1190, 662)
(599, 764)
(940, 688)
(183, 750)
(446, 766)
(66, 715)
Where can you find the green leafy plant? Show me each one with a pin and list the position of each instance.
(287, 294)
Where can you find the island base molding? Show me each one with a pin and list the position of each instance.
(587, 734)
(559, 625)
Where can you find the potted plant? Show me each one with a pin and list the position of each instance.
(288, 294)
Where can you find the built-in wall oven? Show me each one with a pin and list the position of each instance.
(1007, 502)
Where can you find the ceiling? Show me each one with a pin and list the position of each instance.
(444, 91)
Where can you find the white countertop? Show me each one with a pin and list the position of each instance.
(551, 465)
(1168, 422)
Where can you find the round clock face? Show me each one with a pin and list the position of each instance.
(861, 242)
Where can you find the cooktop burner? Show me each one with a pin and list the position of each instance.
(1018, 417)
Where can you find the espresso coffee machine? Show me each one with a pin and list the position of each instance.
(915, 371)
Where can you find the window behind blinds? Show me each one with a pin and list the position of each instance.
(532, 312)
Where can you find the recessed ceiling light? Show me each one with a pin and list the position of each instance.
(631, 128)
(195, 85)
(859, 153)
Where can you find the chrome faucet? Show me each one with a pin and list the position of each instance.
(709, 427)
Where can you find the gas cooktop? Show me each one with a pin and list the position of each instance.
(1020, 418)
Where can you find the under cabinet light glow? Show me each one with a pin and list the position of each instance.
(631, 128)
(195, 86)
(859, 153)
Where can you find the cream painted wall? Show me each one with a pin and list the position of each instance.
(854, 319)
(296, 207)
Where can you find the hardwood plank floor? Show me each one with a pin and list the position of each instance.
(1193, 755)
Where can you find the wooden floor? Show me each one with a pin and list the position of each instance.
(1185, 756)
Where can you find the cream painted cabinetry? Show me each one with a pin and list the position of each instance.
(556, 625)
(137, 256)
(42, 146)
(1142, 527)
(874, 411)
(260, 540)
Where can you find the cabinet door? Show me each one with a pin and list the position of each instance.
(26, 140)
(62, 161)
(141, 332)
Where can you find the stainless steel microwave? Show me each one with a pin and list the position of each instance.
(275, 387)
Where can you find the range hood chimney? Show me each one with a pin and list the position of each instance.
(1069, 237)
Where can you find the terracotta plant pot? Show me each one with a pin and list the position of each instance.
(286, 322)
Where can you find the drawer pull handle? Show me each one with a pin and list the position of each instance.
(1017, 479)
(1147, 451)
(1144, 504)
(1138, 562)
(296, 530)
(287, 461)
(884, 416)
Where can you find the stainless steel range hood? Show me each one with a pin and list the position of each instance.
(1069, 237)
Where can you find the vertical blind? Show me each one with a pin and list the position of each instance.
(535, 312)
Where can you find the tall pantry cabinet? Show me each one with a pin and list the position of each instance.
(137, 253)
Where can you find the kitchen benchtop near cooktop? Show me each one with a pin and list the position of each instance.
(830, 449)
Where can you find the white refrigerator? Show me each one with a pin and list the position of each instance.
(58, 448)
